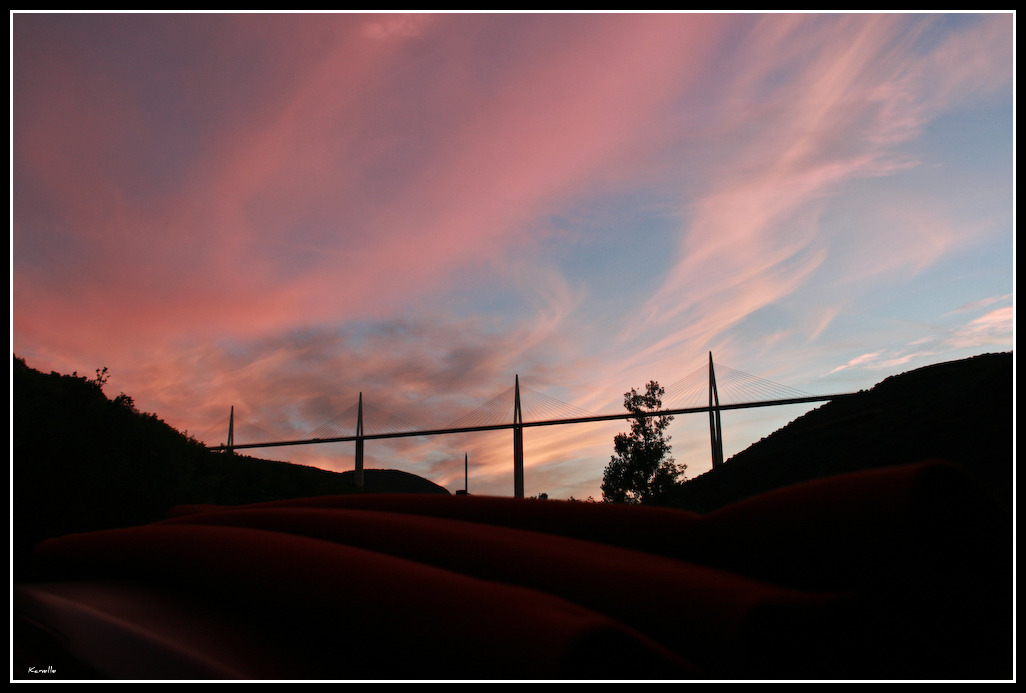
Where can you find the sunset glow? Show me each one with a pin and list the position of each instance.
(278, 212)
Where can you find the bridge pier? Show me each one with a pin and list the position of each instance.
(466, 486)
(518, 444)
(358, 470)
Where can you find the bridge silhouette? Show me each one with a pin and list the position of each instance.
(693, 394)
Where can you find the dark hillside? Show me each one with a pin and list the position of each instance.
(393, 481)
(958, 411)
(83, 462)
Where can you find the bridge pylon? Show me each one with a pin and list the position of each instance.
(229, 447)
(358, 469)
(715, 428)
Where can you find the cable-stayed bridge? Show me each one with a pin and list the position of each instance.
(698, 392)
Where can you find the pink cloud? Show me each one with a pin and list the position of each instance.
(859, 361)
(402, 25)
(994, 329)
(275, 219)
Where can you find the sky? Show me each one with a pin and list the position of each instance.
(281, 213)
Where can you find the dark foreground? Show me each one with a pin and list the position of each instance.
(897, 573)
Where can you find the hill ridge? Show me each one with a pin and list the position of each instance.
(83, 462)
(959, 411)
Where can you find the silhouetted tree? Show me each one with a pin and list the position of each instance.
(640, 471)
(127, 402)
(102, 376)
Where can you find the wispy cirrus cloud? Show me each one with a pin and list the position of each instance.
(822, 103)
(860, 360)
(991, 330)
(982, 303)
